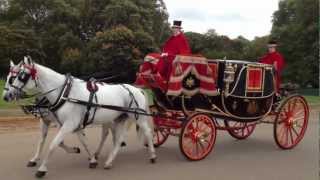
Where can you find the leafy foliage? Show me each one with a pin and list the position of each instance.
(111, 37)
(296, 27)
(83, 36)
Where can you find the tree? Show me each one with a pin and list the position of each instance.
(83, 36)
(295, 25)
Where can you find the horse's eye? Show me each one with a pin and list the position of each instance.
(22, 75)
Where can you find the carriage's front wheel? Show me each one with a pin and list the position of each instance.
(239, 130)
(198, 136)
(160, 136)
(291, 122)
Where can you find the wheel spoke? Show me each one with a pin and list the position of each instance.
(281, 132)
(299, 126)
(242, 131)
(280, 128)
(291, 136)
(295, 131)
(299, 118)
(248, 130)
(203, 126)
(163, 133)
(289, 106)
(188, 143)
(283, 115)
(158, 137)
(294, 105)
(286, 109)
(298, 113)
(287, 137)
(197, 124)
(203, 149)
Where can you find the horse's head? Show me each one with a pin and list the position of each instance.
(21, 78)
(13, 72)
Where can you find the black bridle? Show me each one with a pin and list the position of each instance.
(24, 77)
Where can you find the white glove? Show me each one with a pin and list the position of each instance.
(164, 54)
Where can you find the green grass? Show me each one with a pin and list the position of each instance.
(313, 100)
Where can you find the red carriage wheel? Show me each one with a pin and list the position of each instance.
(239, 130)
(197, 137)
(160, 136)
(291, 122)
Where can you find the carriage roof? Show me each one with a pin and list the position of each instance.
(245, 62)
(201, 60)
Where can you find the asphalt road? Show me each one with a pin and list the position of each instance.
(257, 158)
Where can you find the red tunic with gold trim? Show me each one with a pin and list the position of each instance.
(277, 60)
(174, 45)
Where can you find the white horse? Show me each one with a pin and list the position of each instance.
(48, 118)
(33, 76)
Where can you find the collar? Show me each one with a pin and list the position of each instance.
(63, 94)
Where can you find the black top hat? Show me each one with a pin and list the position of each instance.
(272, 42)
(177, 24)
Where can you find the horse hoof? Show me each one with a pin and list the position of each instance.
(123, 144)
(153, 160)
(93, 165)
(77, 150)
(108, 166)
(40, 174)
(31, 164)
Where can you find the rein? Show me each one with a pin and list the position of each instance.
(138, 111)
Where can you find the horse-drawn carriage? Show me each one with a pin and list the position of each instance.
(203, 96)
(200, 97)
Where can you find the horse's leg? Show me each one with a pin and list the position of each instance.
(84, 142)
(104, 135)
(118, 135)
(69, 149)
(144, 127)
(66, 148)
(64, 130)
(44, 126)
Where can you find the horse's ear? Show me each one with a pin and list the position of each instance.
(27, 60)
(19, 64)
(11, 63)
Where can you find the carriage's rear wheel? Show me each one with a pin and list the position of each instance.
(239, 130)
(160, 136)
(197, 137)
(291, 122)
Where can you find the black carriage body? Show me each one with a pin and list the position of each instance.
(245, 91)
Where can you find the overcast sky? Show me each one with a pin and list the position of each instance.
(248, 18)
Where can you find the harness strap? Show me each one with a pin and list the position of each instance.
(35, 109)
(133, 100)
(63, 94)
(111, 107)
(92, 95)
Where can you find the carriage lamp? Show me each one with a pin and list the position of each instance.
(228, 77)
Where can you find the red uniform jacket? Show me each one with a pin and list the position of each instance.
(174, 45)
(277, 60)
